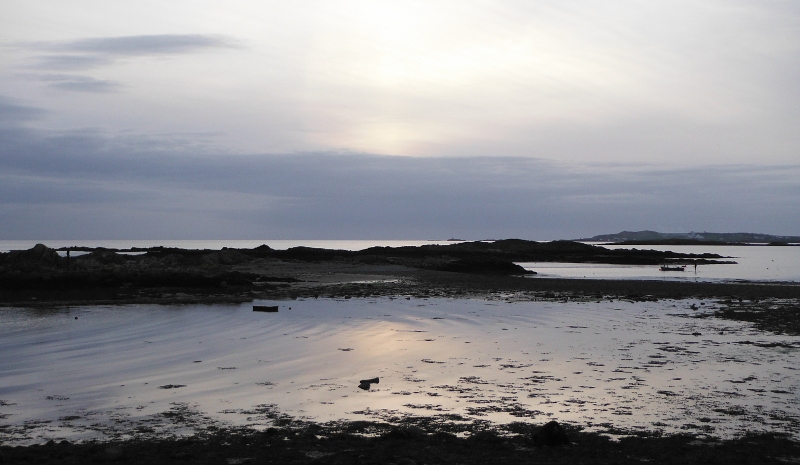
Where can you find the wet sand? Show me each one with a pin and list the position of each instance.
(101, 372)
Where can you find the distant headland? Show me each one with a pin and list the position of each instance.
(692, 238)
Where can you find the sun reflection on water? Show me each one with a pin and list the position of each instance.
(646, 365)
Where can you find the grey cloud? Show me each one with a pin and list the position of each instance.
(72, 62)
(117, 187)
(89, 53)
(13, 113)
(77, 83)
(144, 44)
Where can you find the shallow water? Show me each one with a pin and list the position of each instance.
(116, 371)
(753, 263)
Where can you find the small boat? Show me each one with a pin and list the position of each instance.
(265, 308)
(673, 268)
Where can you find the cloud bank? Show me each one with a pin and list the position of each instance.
(94, 185)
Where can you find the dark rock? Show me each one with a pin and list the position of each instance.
(486, 437)
(551, 434)
(365, 383)
(266, 308)
(175, 260)
(113, 452)
(40, 255)
(105, 257)
(406, 432)
(480, 266)
(225, 257)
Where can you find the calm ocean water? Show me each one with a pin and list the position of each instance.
(753, 262)
(5, 246)
(95, 372)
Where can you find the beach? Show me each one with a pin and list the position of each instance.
(429, 336)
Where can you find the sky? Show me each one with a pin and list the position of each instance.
(397, 120)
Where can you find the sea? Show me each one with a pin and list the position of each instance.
(747, 263)
(101, 372)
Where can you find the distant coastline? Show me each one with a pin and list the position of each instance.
(647, 237)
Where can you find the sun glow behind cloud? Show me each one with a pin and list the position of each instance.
(684, 82)
(436, 75)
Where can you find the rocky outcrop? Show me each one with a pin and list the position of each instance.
(478, 266)
(225, 257)
(32, 259)
(103, 256)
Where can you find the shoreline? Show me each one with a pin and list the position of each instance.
(296, 442)
(309, 280)
(40, 276)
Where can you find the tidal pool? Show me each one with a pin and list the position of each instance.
(116, 372)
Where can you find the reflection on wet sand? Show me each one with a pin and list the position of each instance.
(608, 366)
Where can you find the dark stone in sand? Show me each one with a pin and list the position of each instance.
(551, 434)
(265, 308)
(366, 383)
